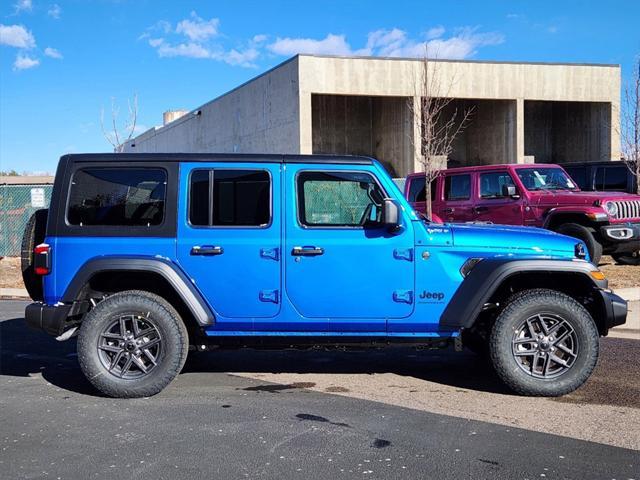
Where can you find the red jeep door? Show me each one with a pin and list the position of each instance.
(492, 203)
(456, 204)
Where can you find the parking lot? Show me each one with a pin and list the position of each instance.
(395, 413)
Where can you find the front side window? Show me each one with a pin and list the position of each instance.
(234, 198)
(491, 184)
(339, 199)
(117, 197)
(457, 187)
(545, 178)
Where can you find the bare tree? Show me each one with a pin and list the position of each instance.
(630, 120)
(436, 120)
(117, 135)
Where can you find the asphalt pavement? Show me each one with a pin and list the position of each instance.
(212, 423)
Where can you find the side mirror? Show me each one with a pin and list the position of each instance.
(391, 215)
(510, 191)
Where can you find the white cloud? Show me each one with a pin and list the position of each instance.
(243, 58)
(190, 50)
(259, 38)
(464, 43)
(54, 11)
(53, 53)
(198, 29)
(23, 6)
(330, 45)
(16, 36)
(24, 62)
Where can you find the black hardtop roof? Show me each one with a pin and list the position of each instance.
(216, 157)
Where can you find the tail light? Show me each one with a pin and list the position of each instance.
(42, 259)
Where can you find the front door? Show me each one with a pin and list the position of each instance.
(229, 233)
(492, 205)
(341, 264)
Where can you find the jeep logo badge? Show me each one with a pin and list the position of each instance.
(437, 296)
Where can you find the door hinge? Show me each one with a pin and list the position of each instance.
(272, 253)
(403, 254)
(403, 296)
(269, 296)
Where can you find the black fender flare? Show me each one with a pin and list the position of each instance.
(554, 212)
(487, 276)
(168, 270)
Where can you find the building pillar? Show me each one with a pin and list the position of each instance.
(305, 123)
(519, 131)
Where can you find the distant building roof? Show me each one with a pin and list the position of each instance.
(25, 180)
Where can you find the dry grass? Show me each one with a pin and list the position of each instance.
(620, 276)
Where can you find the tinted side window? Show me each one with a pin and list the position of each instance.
(615, 179)
(491, 184)
(117, 197)
(418, 192)
(230, 198)
(579, 175)
(339, 199)
(457, 187)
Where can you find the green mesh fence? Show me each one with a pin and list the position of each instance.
(17, 203)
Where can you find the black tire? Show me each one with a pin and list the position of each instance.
(586, 235)
(506, 339)
(151, 312)
(632, 258)
(34, 233)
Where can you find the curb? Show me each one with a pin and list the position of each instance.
(20, 293)
(629, 294)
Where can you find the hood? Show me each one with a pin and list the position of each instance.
(568, 197)
(507, 239)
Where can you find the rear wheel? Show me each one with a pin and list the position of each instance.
(34, 233)
(132, 344)
(632, 258)
(544, 343)
(586, 235)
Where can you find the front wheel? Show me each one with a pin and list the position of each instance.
(544, 343)
(132, 344)
(586, 235)
(632, 258)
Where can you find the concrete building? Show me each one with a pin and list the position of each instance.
(521, 112)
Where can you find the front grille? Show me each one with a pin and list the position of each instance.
(628, 209)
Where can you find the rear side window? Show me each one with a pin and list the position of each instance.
(491, 184)
(339, 199)
(457, 187)
(117, 197)
(613, 179)
(233, 198)
(418, 192)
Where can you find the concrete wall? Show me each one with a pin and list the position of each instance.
(490, 133)
(358, 125)
(260, 116)
(560, 132)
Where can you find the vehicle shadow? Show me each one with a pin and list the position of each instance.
(25, 352)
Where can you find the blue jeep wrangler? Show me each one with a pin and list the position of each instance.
(144, 256)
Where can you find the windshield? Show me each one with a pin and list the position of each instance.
(547, 178)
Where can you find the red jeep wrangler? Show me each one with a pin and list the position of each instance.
(535, 195)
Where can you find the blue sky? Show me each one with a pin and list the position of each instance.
(62, 61)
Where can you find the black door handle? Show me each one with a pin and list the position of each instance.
(307, 251)
(449, 210)
(206, 250)
(480, 209)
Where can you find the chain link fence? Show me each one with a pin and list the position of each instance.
(17, 204)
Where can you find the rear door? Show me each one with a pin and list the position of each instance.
(341, 264)
(457, 204)
(491, 205)
(229, 233)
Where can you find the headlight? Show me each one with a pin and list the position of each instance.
(611, 208)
